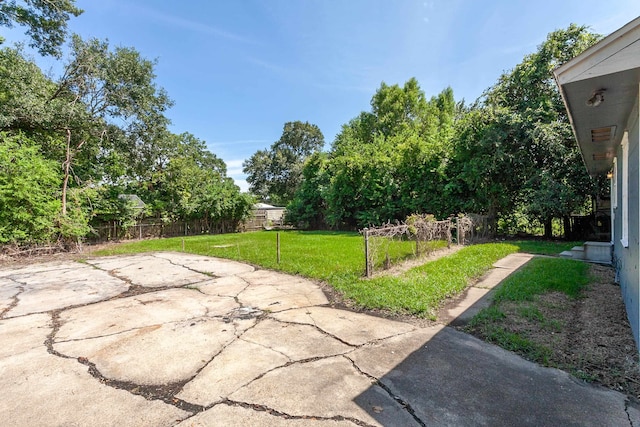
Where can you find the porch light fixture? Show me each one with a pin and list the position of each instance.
(597, 98)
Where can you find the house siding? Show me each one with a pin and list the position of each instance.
(628, 258)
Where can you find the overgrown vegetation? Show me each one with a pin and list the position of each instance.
(510, 155)
(99, 131)
(72, 146)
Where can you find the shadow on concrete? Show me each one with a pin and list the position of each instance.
(455, 379)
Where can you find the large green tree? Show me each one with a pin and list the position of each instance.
(554, 181)
(388, 163)
(275, 175)
(103, 124)
(103, 86)
(46, 21)
(487, 168)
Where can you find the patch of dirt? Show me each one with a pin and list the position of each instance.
(12, 257)
(398, 269)
(589, 336)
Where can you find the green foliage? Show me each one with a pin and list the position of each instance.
(103, 121)
(29, 186)
(554, 182)
(73, 225)
(511, 156)
(275, 175)
(390, 162)
(308, 207)
(46, 21)
(486, 168)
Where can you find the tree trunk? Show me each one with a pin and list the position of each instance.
(568, 232)
(548, 229)
(66, 167)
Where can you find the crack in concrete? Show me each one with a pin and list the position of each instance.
(319, 329)
(405, 405)
(626, 410)
(223, 348)
(15, 298)
(165, 392)
(268, 348)
(206, 273)
(263, 408)
(135, 289)
(56, 323)
(139, 289)
(237, 296)
(354, 346)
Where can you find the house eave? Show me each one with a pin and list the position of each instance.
(611, 68)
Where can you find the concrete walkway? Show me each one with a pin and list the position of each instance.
(171, 339)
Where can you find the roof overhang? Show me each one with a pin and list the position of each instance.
(600, 89)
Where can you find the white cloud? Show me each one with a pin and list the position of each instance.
(243, 184)
(234, 164)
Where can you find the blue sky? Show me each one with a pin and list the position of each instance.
(239, 69)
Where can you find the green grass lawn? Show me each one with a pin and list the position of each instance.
(338, 259)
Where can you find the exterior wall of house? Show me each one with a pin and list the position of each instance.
(627, 257)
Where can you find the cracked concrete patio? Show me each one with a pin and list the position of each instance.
(171, 339)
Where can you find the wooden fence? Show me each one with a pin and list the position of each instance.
(150, 228)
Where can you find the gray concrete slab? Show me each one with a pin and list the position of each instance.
(465, 306)
(272, 291)
(352, 328)
(40, 389)
(226, 415)
(157, 354)
(296, 342)
(455, 379)
(229, 286)
(58, 285)
(325, 388)
(236, 366)
(207, 342)
(513, 261)
(216, 266)
(149, 271)
(146, 310)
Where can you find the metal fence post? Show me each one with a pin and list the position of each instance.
(278, 247)
(367, 267)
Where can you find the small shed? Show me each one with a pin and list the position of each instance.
(265, 216)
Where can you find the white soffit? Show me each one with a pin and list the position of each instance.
(617, 52)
